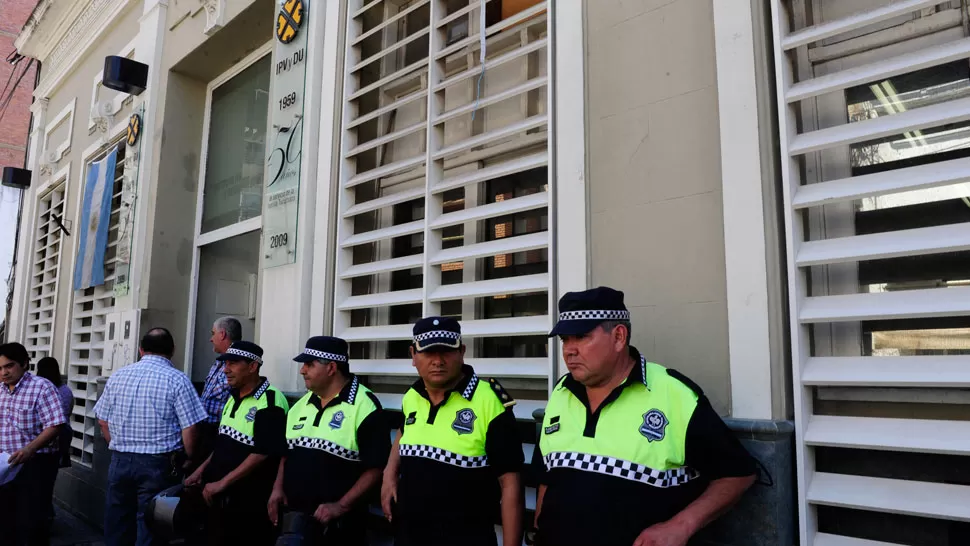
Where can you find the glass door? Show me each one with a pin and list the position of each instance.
(230, 205)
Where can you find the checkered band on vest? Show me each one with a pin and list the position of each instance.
(470, 389)
(352, 395)
(226, 430)
(324, 445)
(261, 390)
(324, 355)
(437, 334)
(595, 315)
(620, 469)
(244, 354)
(442, 456)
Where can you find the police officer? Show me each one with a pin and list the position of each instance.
(338, 446)
(458, 459)
(238, 476)
(633, 452)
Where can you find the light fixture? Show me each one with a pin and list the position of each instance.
(125, 75)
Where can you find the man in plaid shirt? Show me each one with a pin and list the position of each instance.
(148, 413)
(30, 421)
(225, 331)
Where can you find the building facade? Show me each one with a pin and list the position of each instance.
(778, 186)
(19, 75)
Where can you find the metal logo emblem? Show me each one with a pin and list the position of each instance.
(289, 20)
(464, 421)
(134, 129)
(654, 425)
(337, 420)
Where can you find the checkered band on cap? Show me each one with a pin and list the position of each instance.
(324, 445)
(437, 334)
(621, 469)
(595, 315)
(442, 456)
(244, 354)
(236, 435)
(325, 355)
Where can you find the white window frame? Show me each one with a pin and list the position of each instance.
(221, 234)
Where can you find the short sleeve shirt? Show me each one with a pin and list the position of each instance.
(621, 508)
(268, 439)
(447, 499)
(147, 405)
(321, 464)
(25, 412)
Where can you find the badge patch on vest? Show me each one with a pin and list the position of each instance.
(298, 426)
(464, 421)
(337, 421)
(251, 416)
(553, 425)
(411, 418)
(654, 425)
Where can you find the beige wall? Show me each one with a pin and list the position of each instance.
(655, 181)
(190, 61)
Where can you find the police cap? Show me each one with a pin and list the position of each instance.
(325, 349)
(442, 332)
(580, 312)
(243, 350)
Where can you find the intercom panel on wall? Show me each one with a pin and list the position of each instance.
(121, 340)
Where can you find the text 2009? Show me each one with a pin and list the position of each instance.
(277, 241)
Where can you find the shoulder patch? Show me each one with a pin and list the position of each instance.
(686, 381)
(374, 399)
(503, 396)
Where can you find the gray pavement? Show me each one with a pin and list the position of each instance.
(71, 531)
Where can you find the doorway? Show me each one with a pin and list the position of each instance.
(229, 215)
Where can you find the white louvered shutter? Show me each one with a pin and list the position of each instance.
(440, 213)
(44, 269)
(874, 102)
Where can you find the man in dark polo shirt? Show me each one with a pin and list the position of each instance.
(633, 453)
(238, 477)
(455, 468)
(338, 446)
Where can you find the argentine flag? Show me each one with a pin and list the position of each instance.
(95, 217)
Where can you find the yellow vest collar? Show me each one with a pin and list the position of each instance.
(465, 387)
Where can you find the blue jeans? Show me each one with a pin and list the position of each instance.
(133, 479)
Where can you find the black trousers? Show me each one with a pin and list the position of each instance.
(349, 530)
(27, 502)
(232, 520)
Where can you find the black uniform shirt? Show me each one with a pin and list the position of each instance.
(448, 504)
(314, 476)
(582, 508)
(268, 439)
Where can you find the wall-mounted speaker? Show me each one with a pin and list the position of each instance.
(125, 75)
(16, 178)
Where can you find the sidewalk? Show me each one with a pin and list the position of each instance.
(70, 531)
